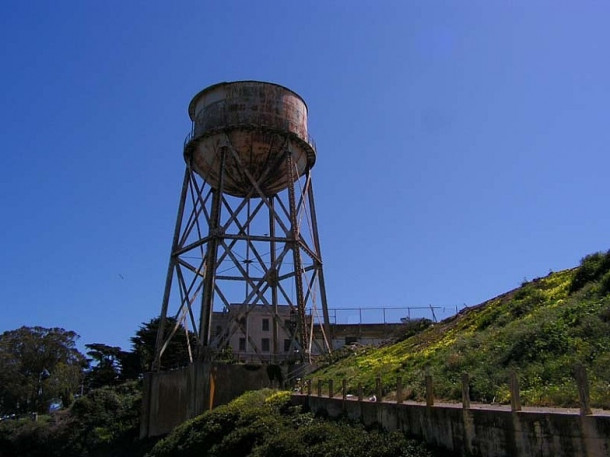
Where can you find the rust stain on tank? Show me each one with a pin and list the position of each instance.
(260, 120)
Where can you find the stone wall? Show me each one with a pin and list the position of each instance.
(481, 431)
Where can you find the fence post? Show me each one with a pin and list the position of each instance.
(465, 391)
(378, 388)
(344, 388)
(319, 387)
(360, 395)
(399, 390)
(309, 387)
(583, 389)
(429, 389)
(301, 386)
(331, 388)
(515, 397)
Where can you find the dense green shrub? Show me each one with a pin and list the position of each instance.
(105, 422)
(592, 268)
(264, 424)
(24, 437)
(325, 438)
(526, 300)
(104, 419)
(203, 435)
(604, 284)
(411, 327)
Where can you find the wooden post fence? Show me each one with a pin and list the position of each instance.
(580, 376)
(429, 389)
(515, 396)
(583, 389)
(399, 398)
(465, 391)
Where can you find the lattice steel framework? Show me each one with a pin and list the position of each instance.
(252, 250)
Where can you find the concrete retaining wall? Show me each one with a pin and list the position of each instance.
(171, 397)
(488, 432)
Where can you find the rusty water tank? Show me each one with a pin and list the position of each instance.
(258, 121)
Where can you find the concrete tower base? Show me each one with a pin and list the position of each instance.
(172, 397)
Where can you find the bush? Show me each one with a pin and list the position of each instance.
(592, 268)
(265, 424)
(411, 327)
(205, 434)
(526, 300)
(27, 438)
(104, 422)
(604, 286)
(327, 439)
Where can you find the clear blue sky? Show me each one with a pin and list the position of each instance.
(462, 146)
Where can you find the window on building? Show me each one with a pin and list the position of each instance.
(218, 330)
(290, 325)
(242, 344)
(287, 345)
(265, 325)
(241, 324)
(265, 344)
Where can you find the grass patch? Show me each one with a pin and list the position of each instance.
(541, 330)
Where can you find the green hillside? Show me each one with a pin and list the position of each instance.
(541, 330)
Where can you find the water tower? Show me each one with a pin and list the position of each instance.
(246, 236)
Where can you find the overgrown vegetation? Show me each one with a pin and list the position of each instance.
(593, 268)
(41, 367)
(37, 367)
(264, 424)
(541, 330)
(411, 327)
(105, 422)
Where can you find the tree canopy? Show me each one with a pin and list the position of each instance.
(37, 366)
(110, 365)
(175, 355)
(40, 365)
